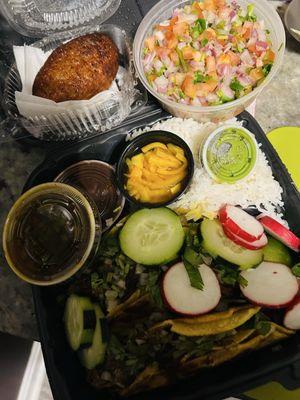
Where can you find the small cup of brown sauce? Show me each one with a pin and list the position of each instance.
(50, 233)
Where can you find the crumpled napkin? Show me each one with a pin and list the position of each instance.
(29, 60)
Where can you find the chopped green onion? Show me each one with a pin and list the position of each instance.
(280, 47)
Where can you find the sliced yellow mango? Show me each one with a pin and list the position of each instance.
(175, 189)
(175, 149)
(138, 160)
(153, 145)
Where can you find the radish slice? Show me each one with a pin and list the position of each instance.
(292, 316)
(256, 245)
(270, 285)
(182, 298)
(280, 232)
(240, 223)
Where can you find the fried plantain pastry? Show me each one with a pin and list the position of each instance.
(78, 69)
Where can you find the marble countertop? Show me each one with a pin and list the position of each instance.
(278, 105)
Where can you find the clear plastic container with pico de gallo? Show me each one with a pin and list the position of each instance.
(208, 60)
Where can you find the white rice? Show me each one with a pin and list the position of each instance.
(205, 196)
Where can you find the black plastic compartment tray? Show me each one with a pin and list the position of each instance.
(67, 377)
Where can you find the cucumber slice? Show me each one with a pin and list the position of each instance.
(80, 321)
(152, 236)
(217, 244)
(95, 354)
(277, 252)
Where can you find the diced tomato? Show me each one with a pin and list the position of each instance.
(179, 78)
(163, 28)
(220, 3)
(151, 77)
(173, 21)
(210, 33)
(188, 53)
(196, 7)
(171, 40)
(150, 43)
(180, 28)
(162, 52)
(210, 64)
(246, 33)
(224, 59)
(270, 56)
(234, 58)
(174, 57)
(256, 74)
(209, 5)
(188, 87)
(213, 82)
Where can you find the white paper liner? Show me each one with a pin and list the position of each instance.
(29, 61)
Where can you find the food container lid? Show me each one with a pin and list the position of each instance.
(97, 179)
(229, 153)
(39, 18)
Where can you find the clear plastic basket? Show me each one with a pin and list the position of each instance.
(86, 121)
(40, 18)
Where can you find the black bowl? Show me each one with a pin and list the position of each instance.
(134, 147)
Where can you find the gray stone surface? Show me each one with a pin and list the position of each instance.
(278, 105)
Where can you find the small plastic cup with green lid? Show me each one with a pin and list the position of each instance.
(229, 153)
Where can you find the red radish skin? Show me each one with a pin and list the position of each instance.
(270, 285)
(291, 319)
(280, 232)
(240, 223)
(258, 244)
(181, 298)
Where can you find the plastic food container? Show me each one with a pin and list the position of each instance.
(50, 233)
(97, 179)
(82, 121)
(229, 153)
(66, 376)
(38, 18)
(134, 147)
(162, 11)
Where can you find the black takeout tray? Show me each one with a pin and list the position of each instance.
(67, 377)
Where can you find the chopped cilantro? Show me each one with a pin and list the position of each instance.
(161, 71)
(181, 94)
(250, 15)
(198, 77)
(266, 69)
(204, 42)
(236, 86)
(152, 286)
(198, 28)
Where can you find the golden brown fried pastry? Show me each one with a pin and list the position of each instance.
(78, 69)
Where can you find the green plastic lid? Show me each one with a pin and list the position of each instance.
(229, 153)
